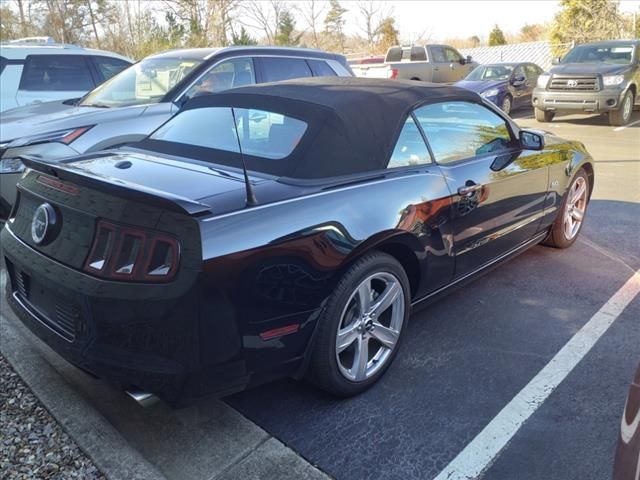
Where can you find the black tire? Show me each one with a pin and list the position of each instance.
(507, 104)
(323, 367)
(557, 237)
(622, 116)
(543, 116)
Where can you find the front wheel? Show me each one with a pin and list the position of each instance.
(359, 334)
(544, 116)
(622, 116)
(570, 218)
(505, 106)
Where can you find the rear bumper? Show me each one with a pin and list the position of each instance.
(135, 337)
(588, 102)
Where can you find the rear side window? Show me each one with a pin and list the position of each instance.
(3, 63)
(410, 148)
(262, 134)
(276, 69)
(108, 66)
(418, 54)
(461, 130)
(56, 73)
(321, 69)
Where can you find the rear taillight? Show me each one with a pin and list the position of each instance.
(127, 253)
(393, 73)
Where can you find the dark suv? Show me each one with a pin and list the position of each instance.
(598, 77)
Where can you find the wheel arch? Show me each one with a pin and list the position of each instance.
(588, 168)
(402, 246)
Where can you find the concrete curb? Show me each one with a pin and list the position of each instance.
(111, 453)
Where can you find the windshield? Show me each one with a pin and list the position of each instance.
(490, 73)
(616, 54)
(145, 82)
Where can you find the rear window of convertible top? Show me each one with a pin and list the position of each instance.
(261, 133)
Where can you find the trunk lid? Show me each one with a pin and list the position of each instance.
(128, 189)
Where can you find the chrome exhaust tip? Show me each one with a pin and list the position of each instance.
(144, 399)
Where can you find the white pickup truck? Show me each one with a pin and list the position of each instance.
(428, 63)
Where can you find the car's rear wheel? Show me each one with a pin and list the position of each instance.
(505, 106)
(543, 115)
(360, 331)
(569, 221)
(623, 114)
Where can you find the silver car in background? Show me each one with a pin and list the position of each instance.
(135, 102)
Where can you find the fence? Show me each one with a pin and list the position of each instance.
(540, 53)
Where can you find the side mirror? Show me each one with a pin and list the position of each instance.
(555, 61)
(462, 61)
(530, 140)
(519, 80)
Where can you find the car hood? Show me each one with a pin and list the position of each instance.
(588, 69)
(480, 86)
(54, 116)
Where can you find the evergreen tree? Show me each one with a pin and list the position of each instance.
(286, 31)
(334, 23)
(243, 38)
(496, 37)
(388, 34)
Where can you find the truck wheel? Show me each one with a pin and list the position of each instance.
(543, 115)
(623, 114)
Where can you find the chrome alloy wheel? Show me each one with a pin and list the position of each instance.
(370, 326)
(575, 208)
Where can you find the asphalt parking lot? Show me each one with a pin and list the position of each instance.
(464, 358)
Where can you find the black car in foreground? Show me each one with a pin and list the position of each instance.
(168, 268)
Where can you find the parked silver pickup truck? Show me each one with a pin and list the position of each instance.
(429, 63)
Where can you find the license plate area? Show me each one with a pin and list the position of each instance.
(57, 312)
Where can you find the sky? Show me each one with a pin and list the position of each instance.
(464, 18)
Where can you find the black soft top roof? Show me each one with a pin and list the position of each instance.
(353, 123)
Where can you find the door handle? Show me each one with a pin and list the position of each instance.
(468, 190)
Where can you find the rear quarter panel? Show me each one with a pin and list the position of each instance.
(274, 265)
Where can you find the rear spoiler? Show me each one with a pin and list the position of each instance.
(136, 193)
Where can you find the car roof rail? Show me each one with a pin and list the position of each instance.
(38, 42)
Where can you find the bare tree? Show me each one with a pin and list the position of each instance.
(312, 12)
(265, 16)
(372, 13)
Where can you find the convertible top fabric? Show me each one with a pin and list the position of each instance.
(353, 123)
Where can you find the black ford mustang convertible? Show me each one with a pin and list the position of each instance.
(281, 229)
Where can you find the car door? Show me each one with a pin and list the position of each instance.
(456, 70)
(439, 64)
(532, 72)
(498, 188)
(226, 74)
(54, 77)
(520, 87)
